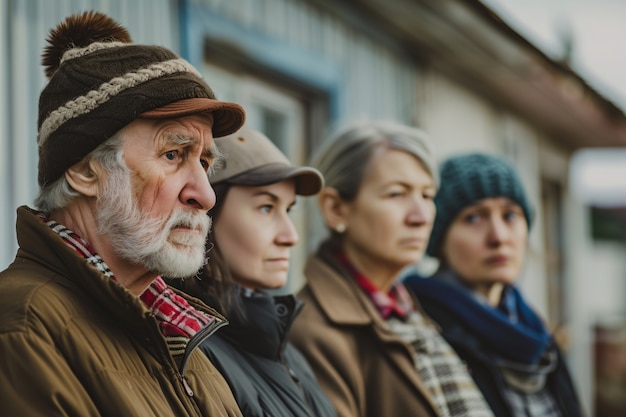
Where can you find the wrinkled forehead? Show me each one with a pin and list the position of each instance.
(146, 135)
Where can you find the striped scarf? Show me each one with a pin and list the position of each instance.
(178, 321)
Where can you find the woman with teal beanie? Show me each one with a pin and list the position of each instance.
(480, 237)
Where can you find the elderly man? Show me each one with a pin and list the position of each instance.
(88, 326)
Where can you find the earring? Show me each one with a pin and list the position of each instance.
(340, 228)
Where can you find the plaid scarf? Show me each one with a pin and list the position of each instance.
(178, 321)
(538, 404)
(80, 245)
(440, 369)
(396, 301)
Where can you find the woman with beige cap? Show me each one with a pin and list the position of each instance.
(374, 352)
(252, 237)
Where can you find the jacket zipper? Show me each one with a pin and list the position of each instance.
(193, 343)
(283, 361)
(298, 384)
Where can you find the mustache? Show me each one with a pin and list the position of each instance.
(199, 221)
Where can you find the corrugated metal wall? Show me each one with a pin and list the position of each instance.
(378, 80)
(7, 236)
(26, 24)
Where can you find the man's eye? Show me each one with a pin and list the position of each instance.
(171, 155)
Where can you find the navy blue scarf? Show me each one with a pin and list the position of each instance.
(513, 329)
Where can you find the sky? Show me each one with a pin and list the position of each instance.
(598, 30)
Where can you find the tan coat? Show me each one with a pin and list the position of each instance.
(74, 343)
(365, 369)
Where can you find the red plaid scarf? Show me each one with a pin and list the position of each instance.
(176, 317)
(396, 301)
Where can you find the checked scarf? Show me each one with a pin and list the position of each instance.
(440, 369)
(178, 321)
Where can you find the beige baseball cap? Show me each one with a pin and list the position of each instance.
(251, 158)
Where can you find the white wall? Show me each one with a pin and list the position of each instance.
(579, 272)
(457, 120)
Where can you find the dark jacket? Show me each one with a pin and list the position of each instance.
(267, 375)
(364, 368)
(75, 343)
(481, 358)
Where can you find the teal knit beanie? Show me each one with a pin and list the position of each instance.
(465, 179)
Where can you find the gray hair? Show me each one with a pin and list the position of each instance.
(345, 157)
(60, 193)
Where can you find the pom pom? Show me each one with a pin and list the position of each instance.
(79, 31)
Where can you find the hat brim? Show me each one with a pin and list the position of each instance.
(227, 117)
(308, 180)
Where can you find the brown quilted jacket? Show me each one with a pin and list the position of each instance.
(75, 343)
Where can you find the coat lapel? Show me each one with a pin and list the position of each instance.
(346, 304)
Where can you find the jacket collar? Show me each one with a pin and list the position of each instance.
(42, 245)
(264, 327)
(339, 297)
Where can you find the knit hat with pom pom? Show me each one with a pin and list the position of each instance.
(468, 178)
(99, 82)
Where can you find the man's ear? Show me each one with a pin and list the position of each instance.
(333, 208)
(84, 177)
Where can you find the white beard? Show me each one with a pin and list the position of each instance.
(153, 243)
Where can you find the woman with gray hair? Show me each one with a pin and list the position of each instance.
(373, 350)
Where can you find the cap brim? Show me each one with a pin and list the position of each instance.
(227, 117)
(309, 180)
